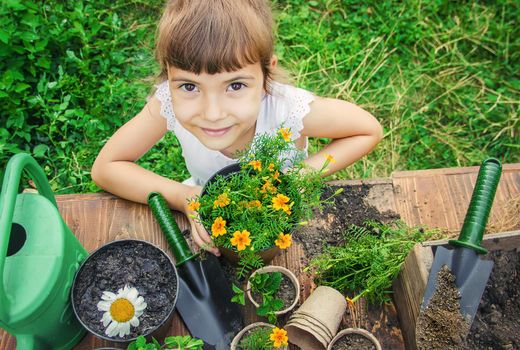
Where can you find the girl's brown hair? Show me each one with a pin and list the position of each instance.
(214, 36)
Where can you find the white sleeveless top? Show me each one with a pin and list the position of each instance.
(285, 105)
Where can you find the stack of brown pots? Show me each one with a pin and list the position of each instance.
(316, 322)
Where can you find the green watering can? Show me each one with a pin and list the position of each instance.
(39, 256)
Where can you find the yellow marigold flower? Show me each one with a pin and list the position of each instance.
(280, 201)
(255, 204)
(194, 205)
(241, 240)
(276, 176)
(256, 164)
(268, 187)
(271, 167)
(287, 209)
(330, 158)
(286, 134)
(279, 337)
(284, 241)
(219, 227)
(221, 201)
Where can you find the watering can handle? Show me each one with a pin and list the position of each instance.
(13, 173)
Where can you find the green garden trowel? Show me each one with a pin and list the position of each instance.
(204, 300)
(470, 271)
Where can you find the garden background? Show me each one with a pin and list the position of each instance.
(441, 76)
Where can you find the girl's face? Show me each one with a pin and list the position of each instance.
(219, 109)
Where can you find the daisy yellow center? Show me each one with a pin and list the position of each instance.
(122, 310)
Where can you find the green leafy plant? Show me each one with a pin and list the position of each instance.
(369, 260)
(264, 338)
(257, 207)
(266, 285)
(174, 342)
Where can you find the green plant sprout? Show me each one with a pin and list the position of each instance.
(369, 261)
(264, 338)
(266, 285)
(173, 342)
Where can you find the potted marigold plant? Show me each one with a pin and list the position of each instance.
(251, 208)
(260, 336)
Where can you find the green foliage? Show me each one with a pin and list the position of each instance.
(248, 203)
(257, 340)
(72, 73)
(369, 261)
(175, 342)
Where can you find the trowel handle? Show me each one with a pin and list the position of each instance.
(480, 206)
(180, 249)
(11, 182)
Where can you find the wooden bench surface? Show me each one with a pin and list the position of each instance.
(435, 198)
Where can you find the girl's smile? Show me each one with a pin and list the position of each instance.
(220, 109)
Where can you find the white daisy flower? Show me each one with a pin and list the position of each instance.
(121, 310)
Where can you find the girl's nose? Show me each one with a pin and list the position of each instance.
(212, 109)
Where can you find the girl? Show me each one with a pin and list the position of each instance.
(218, 90)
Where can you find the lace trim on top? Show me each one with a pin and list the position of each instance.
(163, 95)
(300, 107)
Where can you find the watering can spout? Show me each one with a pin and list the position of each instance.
(39, 256)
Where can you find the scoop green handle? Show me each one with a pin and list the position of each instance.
(480, 206)
(11, 182)
(180, 249)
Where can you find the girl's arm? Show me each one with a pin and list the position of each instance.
(114, 169)
(354, 131)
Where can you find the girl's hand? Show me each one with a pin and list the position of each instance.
(198, 232)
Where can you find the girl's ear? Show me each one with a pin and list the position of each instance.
(274, 62)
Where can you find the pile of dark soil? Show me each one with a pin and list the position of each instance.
(497, 323)
(353, 342)
(441, 326)
(286, 293)
(136, 264)
(348, 208)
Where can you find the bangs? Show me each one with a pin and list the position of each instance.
(223, 36)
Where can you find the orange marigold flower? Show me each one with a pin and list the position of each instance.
(284, 241)
(241, 240)
(279, 337)
(219, 227)
(194, 205)
(330, 158)
(280, 201)
(256, 164)
(286, 134)
(221, 201)
(271, 167)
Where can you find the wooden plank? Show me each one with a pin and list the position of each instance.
(440, 197)
(412, 280)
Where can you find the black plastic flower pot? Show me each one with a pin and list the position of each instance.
(134, 264)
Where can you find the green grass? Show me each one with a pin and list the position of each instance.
(442, 77)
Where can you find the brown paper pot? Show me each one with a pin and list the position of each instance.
(312, 323)
(322, 335)
(286, 272)
(326, 305)
(359, 331)
(304, 338)
(238, 337)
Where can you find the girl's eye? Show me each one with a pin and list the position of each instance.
(188, 87)
(236, 86)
